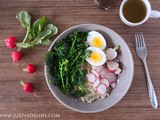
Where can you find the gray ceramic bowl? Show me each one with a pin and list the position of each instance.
(125, 78)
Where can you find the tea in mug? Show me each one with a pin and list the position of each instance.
(134, 11)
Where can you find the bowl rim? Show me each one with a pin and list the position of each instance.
(93, 111)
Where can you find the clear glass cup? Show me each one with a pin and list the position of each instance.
(104, 4)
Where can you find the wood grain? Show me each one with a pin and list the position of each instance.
(64, 14)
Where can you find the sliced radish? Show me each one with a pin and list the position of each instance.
(101, 89)
(91, 77)
(111, 54)
(117, 71)
(96, 83)
(113, 85)
(112, 66)
(95, 73)
(105, 82)
(99, 68)
(104, 73)
(111, 77)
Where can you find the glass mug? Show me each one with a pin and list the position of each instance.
(104, 4)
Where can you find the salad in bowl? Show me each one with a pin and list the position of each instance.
(86, 68)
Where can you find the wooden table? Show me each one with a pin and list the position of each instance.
(64, 14)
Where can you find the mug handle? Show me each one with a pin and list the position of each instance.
(155, 14)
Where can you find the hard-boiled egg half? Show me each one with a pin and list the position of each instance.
(95, 39)
(97, 56)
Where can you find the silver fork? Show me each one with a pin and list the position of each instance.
(142, 54)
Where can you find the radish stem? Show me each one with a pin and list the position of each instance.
(25, 38)
(22, 83)
(24, 70)
(116, 47)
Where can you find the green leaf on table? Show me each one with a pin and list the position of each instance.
(51, 27)
(24, 18)
(23, 45)
(38, 33)
(37, 41)
(39, 25)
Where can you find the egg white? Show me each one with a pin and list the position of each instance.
(100, 52)
(92, 35)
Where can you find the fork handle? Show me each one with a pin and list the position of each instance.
(151, 91)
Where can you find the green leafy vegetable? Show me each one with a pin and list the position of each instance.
(24, 18)
(88, 53)
(38, 33)
(67, 65)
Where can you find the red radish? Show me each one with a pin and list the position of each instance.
(118, 71)
(10, 42)
(99, 68)
(111, 77)
(31, 68)
(96, 83)
(101, 89)
(91, 77)
(95, 73)
(16, 56)
(105, 82)
(27, 87)
(112, 66)
(104, 73)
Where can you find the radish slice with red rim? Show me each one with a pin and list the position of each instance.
(101, 89)
(99, 68)
(105, 82)
(112, 66)
(111, 77)
(95, 73)
(104, 73)
(111, 54)
(91, 77)
(96, 83)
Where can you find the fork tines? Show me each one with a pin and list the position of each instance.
(140, 40)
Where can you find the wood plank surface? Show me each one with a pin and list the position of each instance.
(64, 14)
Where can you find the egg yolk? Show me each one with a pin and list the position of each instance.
(97, 42)
(95, 57)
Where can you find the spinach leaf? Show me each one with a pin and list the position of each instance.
(79, 93)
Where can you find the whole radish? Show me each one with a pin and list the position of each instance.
(10, 42)
(27, 87)
(16, 56)
(31, 68)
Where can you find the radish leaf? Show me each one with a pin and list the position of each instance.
(38, 33)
